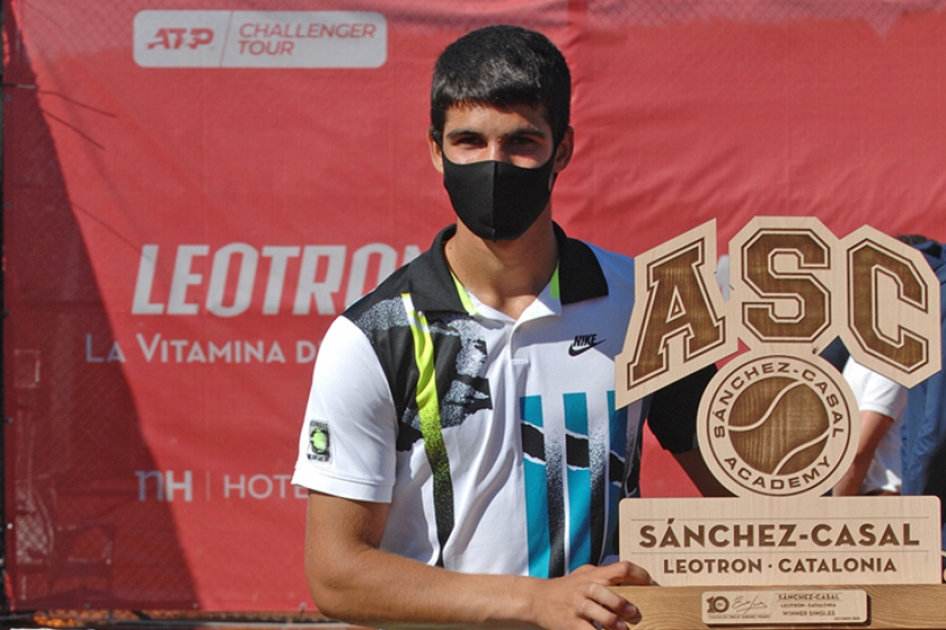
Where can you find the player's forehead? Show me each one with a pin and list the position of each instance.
(486, 119)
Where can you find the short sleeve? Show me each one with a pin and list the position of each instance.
(347, 442)
(875, 391)
(673, 409)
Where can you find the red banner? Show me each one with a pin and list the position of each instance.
(193, 192)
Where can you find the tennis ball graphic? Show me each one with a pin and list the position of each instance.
(319, 441)
(779, 426)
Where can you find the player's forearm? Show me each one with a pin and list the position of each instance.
(380, 589)
(695, 467)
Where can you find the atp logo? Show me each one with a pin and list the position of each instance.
(176, 38)
(199, 38)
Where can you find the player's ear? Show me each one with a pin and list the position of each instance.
(436, 151)
(563, 154)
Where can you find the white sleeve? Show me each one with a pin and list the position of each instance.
(352, 418)
(875, 392)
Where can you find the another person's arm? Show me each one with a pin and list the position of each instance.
(881, 401)
(873, 427)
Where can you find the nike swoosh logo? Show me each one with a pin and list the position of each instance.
(575, 350)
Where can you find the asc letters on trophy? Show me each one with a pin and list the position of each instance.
(778, 425)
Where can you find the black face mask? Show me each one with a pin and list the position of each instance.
(497, 201)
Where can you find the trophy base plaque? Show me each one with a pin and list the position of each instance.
(780, 608)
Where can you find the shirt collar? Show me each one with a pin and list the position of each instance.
(433, 288)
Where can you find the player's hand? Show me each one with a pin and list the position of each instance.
(582, 598)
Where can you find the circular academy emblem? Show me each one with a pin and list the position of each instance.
(778, 425)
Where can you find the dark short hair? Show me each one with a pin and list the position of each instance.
(502, 65)
(934, 249)
(913, 239)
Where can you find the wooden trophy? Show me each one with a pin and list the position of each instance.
(778, 426)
